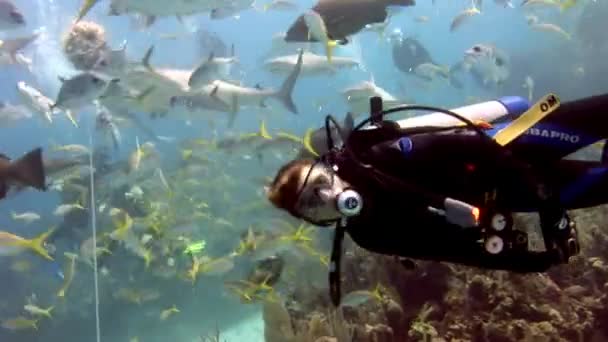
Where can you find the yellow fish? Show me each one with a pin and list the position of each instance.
(20, 323)
(168, 312)
(36, 311)
(11, 244)
(85, 8)
(69, 274)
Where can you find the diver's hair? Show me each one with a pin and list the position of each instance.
(284, 189)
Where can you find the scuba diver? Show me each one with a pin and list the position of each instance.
(443, 188)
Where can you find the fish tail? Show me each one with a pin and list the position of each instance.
(146, 60)
(307, 142)
(70, 116)
(263, 131)
(144, 94)
(86, 7)
(47, 312)
(329, 49)
(29, 170)
(37, 244)
(284, 93)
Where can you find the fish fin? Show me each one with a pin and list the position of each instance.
(29, 170)
(232, 50)
(233, 110)
(37, 244)
(263, 131)
(211, 56)
(214, 91)
(307, 142)
(70, 115)
(258, 86)
(142, 96)
(284, 93)
(329, 49)
(347, 126)
(146, 60)
(86, 7)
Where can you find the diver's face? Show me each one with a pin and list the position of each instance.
(317, 201)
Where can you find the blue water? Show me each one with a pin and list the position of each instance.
(551, 61)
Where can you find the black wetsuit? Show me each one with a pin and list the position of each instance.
(455, 163)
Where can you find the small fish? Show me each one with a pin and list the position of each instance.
(216, 267)
(36, 101)
(135, 157)
(462, 16)
(105, 123)
(11, 244)
(541, 3)
(70, 270)
(27, 217)
(547, 27)
(71, 148)
(10, 17)
(64, 209)
(529, 84)
(168, 312)
(25, 171)
(36, 311)
(430, 71)
(360, 297)
(20, 323)
(488, 62)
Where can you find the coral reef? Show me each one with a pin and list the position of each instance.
(446, 302)
(84, 44)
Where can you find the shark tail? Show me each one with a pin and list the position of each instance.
(284, 93)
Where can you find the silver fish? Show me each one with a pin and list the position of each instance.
(105, 123)
(79, 91)
(491, 63)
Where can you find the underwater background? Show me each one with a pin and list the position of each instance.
(189, 191)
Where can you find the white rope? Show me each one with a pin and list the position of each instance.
(94, 227)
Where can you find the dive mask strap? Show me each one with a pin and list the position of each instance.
(335, 263)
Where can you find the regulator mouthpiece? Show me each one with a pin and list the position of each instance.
(349, 203)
